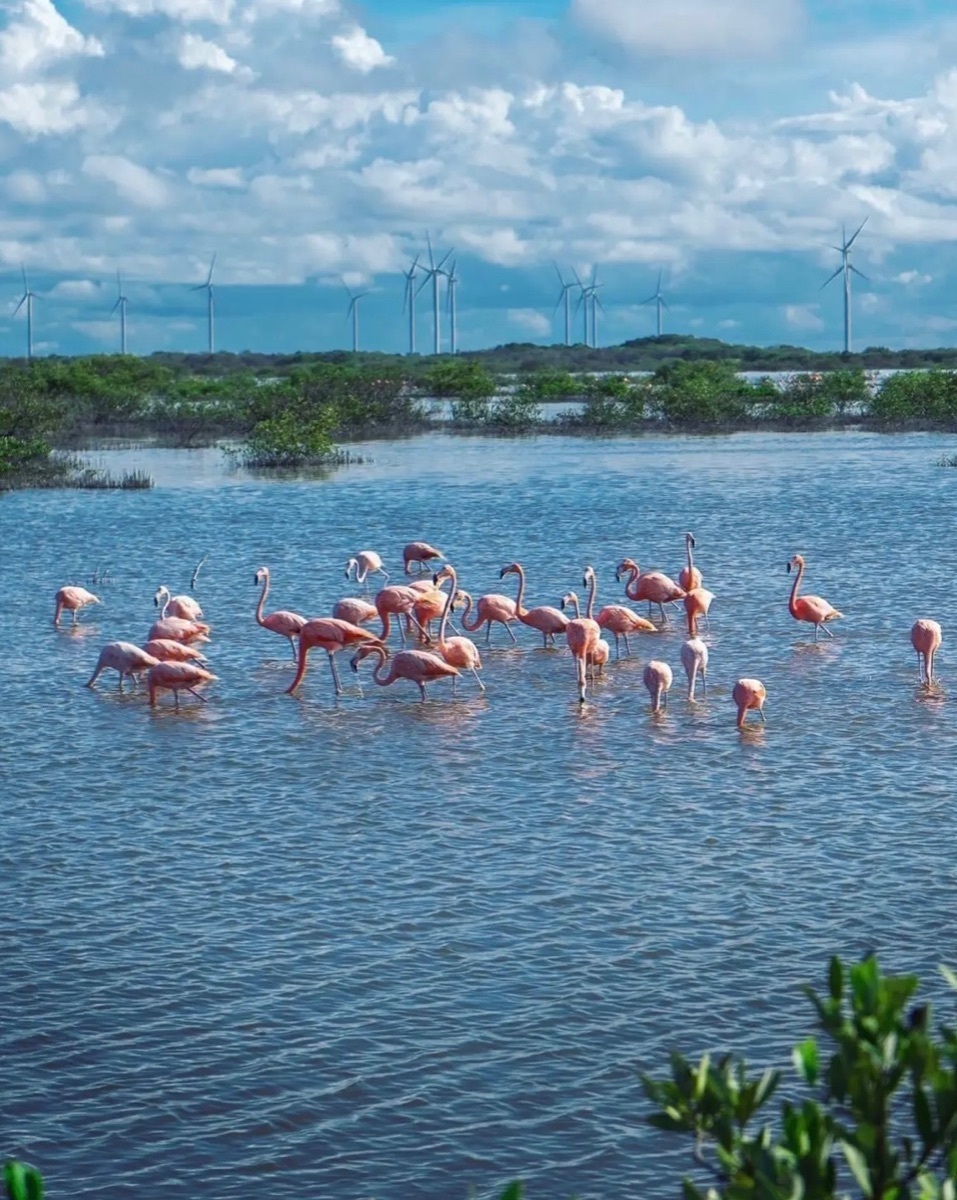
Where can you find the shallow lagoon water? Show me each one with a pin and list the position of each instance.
(375, 947)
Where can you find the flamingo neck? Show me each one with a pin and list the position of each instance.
(573, 599)
(520, 572)
(631, 583)
(262, 601)
(794, 590)
(165, 593)
(465, 615)
(379, 667)
(592, 592)
(690, 559)
(448, 604)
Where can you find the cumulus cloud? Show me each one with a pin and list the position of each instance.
(196, 53)
(216, 177)
(360, 51)
(132, 182)
(531, 321)
(918, 278)
(75, 289)
(216, 12)
(37, 36)
(803, 317)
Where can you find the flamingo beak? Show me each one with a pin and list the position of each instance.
(693, 544)
(789, 568)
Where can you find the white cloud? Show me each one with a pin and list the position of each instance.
(216, 12)
(196, 53)
(36, 36)
(25, 187)
(803, 317)
(216, 177)
(360, 51)
(912, 277)
(55, 107)
(75, 289)
(530, 320)
(134, 183)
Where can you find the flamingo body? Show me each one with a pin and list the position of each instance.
(583, 634)
(366, 563)
(176, 629)
(460, 652)
(749, 694)
(697, 603)
(184, 607)
(124, 658)
(419, 552)
(488, 608)
(926, 637)
(72, 599)
(621, 621)
(694, 659)
(176, 677)
(355, 611)
(657, 678)
(419, 666)
(550, 622)
(810, 608)
(166, 650)
(653, 586)
(689, 577)
(287, 624)
(394, 600)
(331, 635)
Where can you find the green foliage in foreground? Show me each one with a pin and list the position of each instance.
(878, 1119)
(22, 1182)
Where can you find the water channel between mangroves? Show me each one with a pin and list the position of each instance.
(381, 948)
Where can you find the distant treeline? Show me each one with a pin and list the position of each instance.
(297, 415)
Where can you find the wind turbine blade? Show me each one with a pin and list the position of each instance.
(851, 267)
(444, 259)
(664, 303)
(658, 288)
(848, 245)
(561, 279)
(598, 302)
(577, 279)
(212, 263)
(26, 287)
(115, 307)
(830, 277)
(594, 275)
(558, 302)
(20, 305)
(428, 276)
(651, 299)
(428, 238)
(346, 286)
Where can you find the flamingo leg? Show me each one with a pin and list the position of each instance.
(827, 631)
(704, 682)
(508, 630)
(292, 643)
(488, 633)
(194, 692)
(176, 699)
(421, 689)
(763, 717)
(74, 616)
(335, 673)
(477, 680)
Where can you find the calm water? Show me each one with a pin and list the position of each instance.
(382, 948)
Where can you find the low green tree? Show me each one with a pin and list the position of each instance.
(700, 393)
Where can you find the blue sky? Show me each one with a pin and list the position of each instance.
(722, 142)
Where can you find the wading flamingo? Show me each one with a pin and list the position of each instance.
(332, 636)
(287, 624)
(749, 693)
(184, 607)
(490, 607)
(602, 652)
(419, 666)
(547, 620)
(697, 602)
(176, 677)
(354, 610)
(583, 633)
(124, 658)
(694, 659)
(397, 600)
(809, 608)
(621, 621)
(419, 552)
(428, 608)
(178, 630)
(653, 586)
(366, 563)
(73, 599)
(461, 652)
(925, 637)
(166, 650)
(689, 576)
(658, 679)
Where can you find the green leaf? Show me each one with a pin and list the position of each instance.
(514, 1191)
(22, 1182)
(806, 1060)
(835, 978)
(690, 1192)
(702, 1081)
(858, 1164)
(923, 1117)
(949, 976)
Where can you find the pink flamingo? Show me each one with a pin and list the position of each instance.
(428, 608)
(697, 602)
(166, 650)
(694, 658)
(366, 563)
(925, 637)
(332, 636)
(653, 586)
(748, 694)
(73, 599)
(583, 633)
(355, 611)
(657, 678)
(396, 600)
(125, 658)
(547, 620)
(689, 577)
(490, 607)
(419, 552)
(176, 629)
(176, 677)
(621, 621)
(461, 652)
(809, 608)
(602, 652)
(419, 666)
(177, 606)
(287, 624)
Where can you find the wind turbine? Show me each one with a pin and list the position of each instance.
(847, 268)
(453, 284)
(408, 302)
(121, 305)
(596, 304)
(658, 300)
(564, 296)
(207, 287)
(353, 311)
(587, 300)
(27, 299)
(433, 271)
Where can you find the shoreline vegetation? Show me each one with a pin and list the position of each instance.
(288, 412)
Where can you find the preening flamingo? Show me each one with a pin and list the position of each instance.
(419, 666)
(809, 608)
(461, 652)
(73, 599)
(490, 607)
(621, 621)
(653, 586)
(697, 602)
(657, 678)
(354, 610)
(694, 659)
(398, 600)
(167, 650)
(419, 552)
(366, 563)
(925, 637)
(547, 620)
(287, 624)
(184, 607)
(176, 677)
(689, 576)
(583, 633)
(748, 694)
(125, 659)
(332, 636)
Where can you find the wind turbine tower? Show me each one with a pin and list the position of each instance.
(587, 300)
(121, 305)
(846, 268)
(596, 304)
(353, 312)
(564, 297)
(27, 299)
(658, 300)
(408, 303)
(207, 287)
(432, 272)
(453, 284)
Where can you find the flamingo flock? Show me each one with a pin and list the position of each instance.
(171, 662)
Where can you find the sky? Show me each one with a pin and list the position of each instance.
(315, 146)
